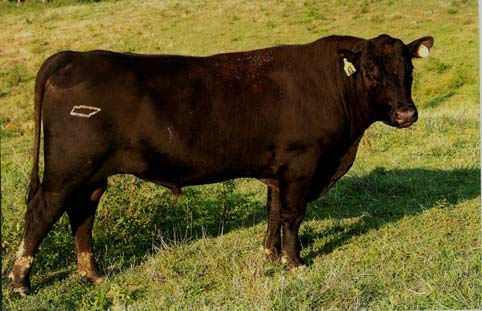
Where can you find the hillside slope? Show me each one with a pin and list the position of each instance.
(400, 231)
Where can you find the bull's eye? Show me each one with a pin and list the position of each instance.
(395, 72)
(374, 80)
(370, 66)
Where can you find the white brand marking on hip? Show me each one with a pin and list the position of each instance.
(84, 111)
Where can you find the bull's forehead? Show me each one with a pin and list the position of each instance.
(386, 46)
(390, 53)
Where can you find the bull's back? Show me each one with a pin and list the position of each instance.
(190, 114)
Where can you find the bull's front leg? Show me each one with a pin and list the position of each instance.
(272, 240)
(293, 198)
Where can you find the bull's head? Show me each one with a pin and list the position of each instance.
(385, 65)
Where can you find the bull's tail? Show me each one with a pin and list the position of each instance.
(49, 67)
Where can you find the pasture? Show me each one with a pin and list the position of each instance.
(400, 231)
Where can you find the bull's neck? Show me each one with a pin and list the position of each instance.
(357, 107)
(351, 91)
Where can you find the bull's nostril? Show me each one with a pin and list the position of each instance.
(410, 114)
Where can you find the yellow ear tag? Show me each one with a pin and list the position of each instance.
(423, 51)
(349, 68)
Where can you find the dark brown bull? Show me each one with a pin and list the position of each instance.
(291, 116)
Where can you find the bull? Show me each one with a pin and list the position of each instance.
(291, 116)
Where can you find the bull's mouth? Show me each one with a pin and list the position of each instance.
(398, 125)
(404, 125)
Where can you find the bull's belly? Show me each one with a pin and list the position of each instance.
(196, 177)
(178, 172)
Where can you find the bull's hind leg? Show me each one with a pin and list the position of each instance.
(272, 240)
(81, 211)
(43, 211)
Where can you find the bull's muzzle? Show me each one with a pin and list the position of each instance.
(405, 118)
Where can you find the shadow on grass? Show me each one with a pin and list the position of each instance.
(140, 221)
(50, 278)
(382, 196)
(437, 100)
(385, 196)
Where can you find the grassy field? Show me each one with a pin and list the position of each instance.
(400, 231)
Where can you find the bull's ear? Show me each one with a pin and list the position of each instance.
(350, 61)
(421, 48)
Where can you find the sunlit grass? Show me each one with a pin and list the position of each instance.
(400, 231)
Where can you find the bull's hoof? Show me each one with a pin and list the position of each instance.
(271, 255)
(20, 286)
(292, 264)
(299, 268)
(97, 280)
(93, 278)
(22, 290)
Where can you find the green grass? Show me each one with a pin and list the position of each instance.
(400, 231)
